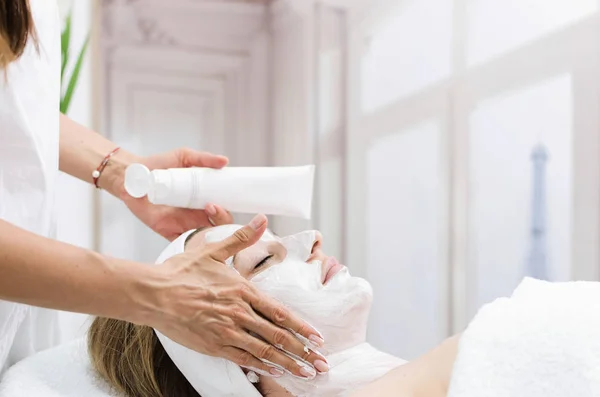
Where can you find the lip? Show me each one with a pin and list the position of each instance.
(332, 267)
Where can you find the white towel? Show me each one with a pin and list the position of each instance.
(64, 371)
(544, 341)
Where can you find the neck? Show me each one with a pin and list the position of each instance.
(351, 369)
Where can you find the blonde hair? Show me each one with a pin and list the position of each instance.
(132, 360)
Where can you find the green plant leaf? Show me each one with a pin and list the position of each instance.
(65, 42)
(66, 101)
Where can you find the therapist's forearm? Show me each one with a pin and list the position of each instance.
(42, 272)
(81, 152)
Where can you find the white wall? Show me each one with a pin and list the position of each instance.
(75, 198)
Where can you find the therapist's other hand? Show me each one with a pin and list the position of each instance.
(218, 216)
(171, 222)
(206, 306)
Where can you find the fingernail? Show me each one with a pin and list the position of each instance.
(321, 366)
(210, 210)
(319, 351)
(317, 333)
(276, 372)
(317, 340)
(257, 222)
(308, 372)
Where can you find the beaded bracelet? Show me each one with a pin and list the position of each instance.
(96, 174)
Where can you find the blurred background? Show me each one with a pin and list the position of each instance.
(456, 141)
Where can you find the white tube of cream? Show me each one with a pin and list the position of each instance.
(268, 190)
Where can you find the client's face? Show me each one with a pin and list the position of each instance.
(295, 271)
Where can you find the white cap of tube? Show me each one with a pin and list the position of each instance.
(166, 187)
(138, 180)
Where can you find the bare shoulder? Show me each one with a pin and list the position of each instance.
(427, 376)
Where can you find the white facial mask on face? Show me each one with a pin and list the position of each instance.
(342, 304)
(339, 310)
(299, 246)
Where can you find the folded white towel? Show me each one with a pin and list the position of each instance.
(544, 341)
(64, 371)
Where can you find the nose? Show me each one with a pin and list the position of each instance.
(316, 253)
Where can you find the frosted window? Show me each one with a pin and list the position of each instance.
(404, 222)
(506, 189)
(411, 50)
(496, 26)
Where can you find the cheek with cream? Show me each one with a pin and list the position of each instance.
(339, 309)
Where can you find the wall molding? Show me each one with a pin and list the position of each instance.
(176, 23)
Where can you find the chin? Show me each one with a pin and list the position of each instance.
(355, 290)
(346, 325)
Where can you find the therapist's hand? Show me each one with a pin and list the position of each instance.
(210, 308)
(171, 222)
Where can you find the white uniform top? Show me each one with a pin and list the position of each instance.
(29, 136)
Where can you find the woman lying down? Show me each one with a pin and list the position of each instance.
(515, 347)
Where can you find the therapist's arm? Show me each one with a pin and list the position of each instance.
(427, 376)
(42, 272)
(81, 152)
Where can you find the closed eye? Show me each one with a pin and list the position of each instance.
(263, 262)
